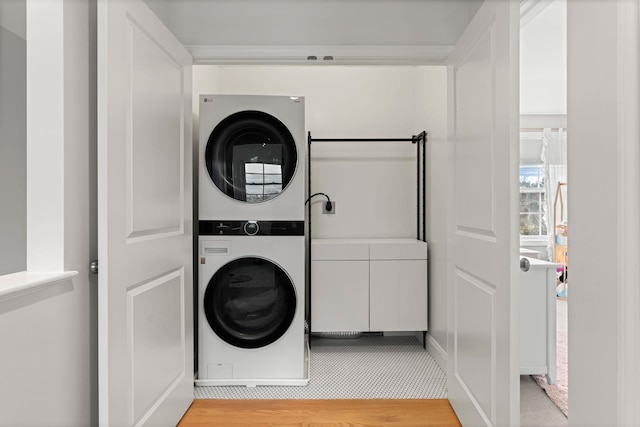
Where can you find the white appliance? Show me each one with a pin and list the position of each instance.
(251, 304)
(252, 157)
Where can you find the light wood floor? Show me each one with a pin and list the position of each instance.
(320, 413)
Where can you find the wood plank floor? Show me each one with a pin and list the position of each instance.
(320, 413)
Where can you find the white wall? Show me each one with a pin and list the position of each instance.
(431, 114)
(13, 138)
(13, 17)
(543, 61)
(48, 363)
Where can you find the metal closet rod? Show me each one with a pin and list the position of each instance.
(364, 139)
(422, 136)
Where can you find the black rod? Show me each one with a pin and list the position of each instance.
(308, 291)
(363, 140)
(417, 188)
(424, 186)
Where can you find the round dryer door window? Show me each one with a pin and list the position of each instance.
(250, 302)
(251, 156)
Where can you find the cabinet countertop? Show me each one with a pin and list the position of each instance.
(366, 241)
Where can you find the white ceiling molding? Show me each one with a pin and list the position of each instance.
(529, 9)
(324, 55)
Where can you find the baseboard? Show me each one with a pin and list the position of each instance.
(437, 352)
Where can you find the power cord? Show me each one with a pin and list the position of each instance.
(328, 205)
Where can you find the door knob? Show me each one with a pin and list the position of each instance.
(93, 267)
(524, 264)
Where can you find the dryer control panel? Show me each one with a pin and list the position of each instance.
(250, 228)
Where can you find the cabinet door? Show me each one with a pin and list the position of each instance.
(398, 295)
(533, 322)
(339, 296)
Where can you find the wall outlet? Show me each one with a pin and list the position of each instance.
(333, 208)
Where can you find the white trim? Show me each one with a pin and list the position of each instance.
(530, 9)
(541, 121)
(45, 136)
(342, 55)
(534, 240)
(437, 352)
(628, 94)
(22, 283)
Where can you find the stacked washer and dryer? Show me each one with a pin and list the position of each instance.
(251, 247)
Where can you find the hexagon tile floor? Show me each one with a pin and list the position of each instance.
(370, 367)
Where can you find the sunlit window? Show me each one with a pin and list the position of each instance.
(532, 199)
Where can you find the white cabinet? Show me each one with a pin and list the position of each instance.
(538, 320)
(398, 295)
(340, 305)
(369, 285)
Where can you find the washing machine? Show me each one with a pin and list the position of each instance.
(252, 156)
(251, 304)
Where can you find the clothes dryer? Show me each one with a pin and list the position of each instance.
(252, 156)
(251, 304)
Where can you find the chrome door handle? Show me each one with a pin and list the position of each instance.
(524, 264)
(93, 267)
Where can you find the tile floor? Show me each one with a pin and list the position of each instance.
(370, 367)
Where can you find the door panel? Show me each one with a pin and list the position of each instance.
(154, 94)
(482, 369)
(158, 340)
(144, 221)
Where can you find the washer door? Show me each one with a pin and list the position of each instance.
(250, 302)
(251, 156)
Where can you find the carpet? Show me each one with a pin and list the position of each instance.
(558, 392)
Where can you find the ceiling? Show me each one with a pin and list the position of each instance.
(343, 31)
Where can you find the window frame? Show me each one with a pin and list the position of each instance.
(542, 191)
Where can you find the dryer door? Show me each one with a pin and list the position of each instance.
(251, 156)
(250, 302)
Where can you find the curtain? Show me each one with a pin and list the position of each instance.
(554, 160)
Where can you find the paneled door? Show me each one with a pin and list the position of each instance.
(145, 219)
(482, 346)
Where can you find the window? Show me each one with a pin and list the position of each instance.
(532, 199)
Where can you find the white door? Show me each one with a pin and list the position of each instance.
(482, 358)
(144, 221)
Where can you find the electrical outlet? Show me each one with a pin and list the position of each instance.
(333, 208)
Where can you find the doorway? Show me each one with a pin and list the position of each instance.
(364, 101)
(544, 189)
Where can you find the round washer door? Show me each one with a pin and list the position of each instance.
(250, 302)
(251, 156)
